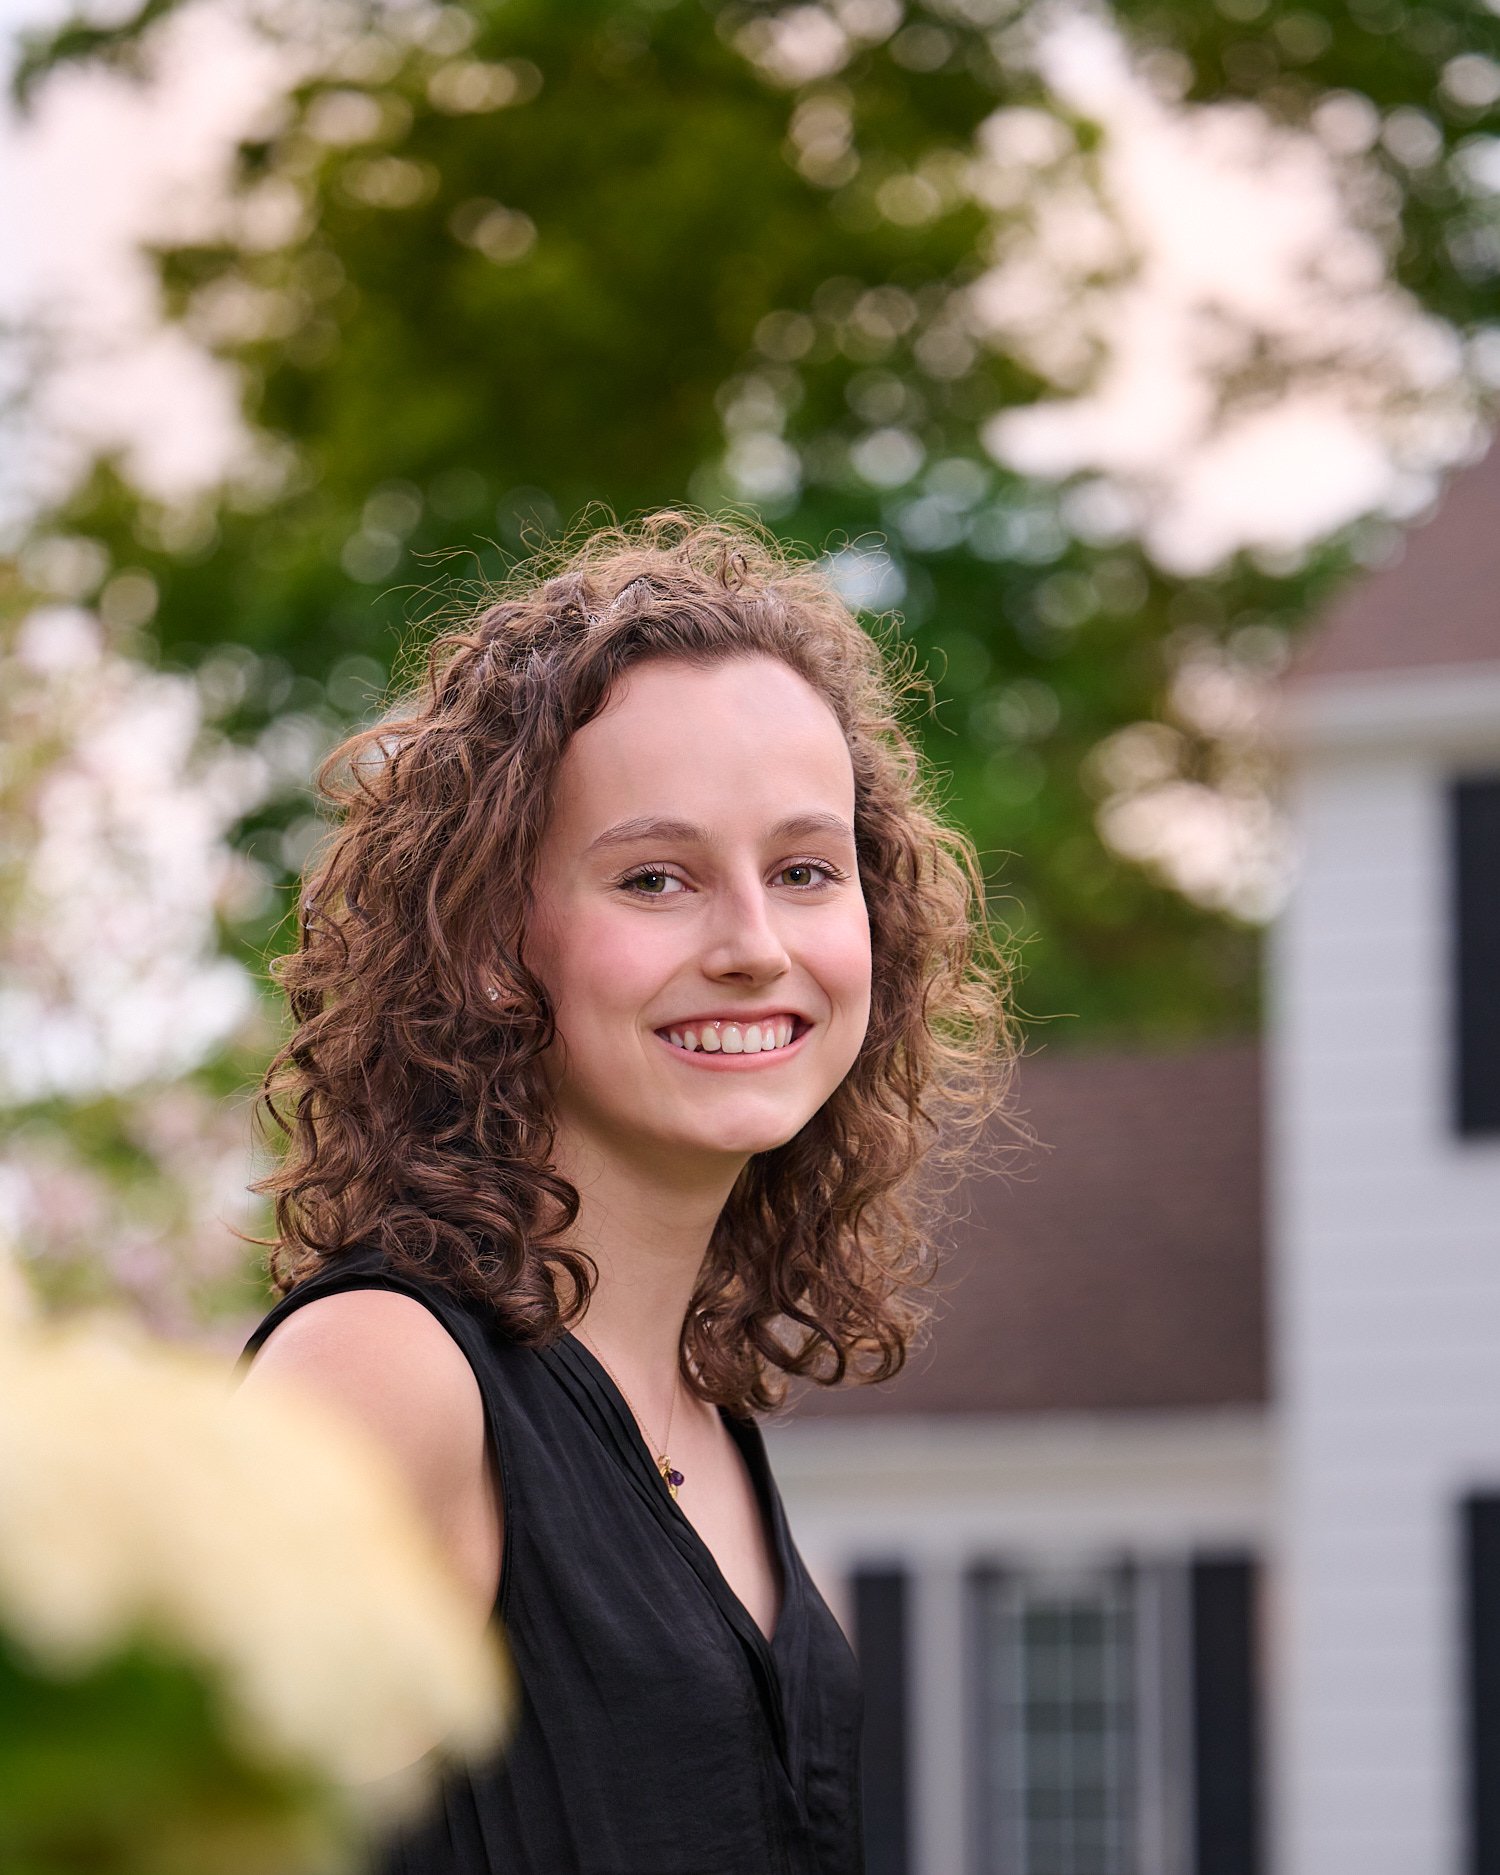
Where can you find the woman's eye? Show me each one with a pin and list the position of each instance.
(804, 873)
(650, 883)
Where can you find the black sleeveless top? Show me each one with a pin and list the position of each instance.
(660, 1733)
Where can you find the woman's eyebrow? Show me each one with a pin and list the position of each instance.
(686, 833)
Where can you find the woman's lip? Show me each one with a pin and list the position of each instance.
(735, 1064)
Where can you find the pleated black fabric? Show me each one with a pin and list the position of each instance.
(660, 1732)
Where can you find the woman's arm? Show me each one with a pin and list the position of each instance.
(389, 1365)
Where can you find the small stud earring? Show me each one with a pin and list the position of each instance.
(492, 992)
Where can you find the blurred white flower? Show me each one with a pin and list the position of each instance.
(124, 1181)
(258, 1534)
(1210, 294)
(146, 1203)
(114, 867)
(796, 45)
(1222, 847)
(1192, 799)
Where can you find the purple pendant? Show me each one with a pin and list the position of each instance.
(674, 1478)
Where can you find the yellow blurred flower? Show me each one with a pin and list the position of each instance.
(259, 1535)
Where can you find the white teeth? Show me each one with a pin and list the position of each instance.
(735, 1038)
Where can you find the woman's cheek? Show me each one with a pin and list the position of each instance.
(848, 966)
(629, 957)
(620, 965)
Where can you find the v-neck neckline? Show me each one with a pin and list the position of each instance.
(631, 1445)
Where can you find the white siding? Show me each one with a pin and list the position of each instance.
(964, 1489)
(1386, 1293)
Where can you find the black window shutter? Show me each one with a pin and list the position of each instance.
(1476, 922)
(1481, 1652)
(1226, 1718)
(880, 1617)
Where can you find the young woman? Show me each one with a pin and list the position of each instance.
(634, 987)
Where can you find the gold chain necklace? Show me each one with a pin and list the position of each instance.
(664, 1464)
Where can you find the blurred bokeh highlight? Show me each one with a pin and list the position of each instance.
(1132, 369)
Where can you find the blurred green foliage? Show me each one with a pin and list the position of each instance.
(548, 255)
(126, 1768)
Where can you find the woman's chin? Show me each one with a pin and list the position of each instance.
(743, 1140)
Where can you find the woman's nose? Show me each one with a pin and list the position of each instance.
(744, 940)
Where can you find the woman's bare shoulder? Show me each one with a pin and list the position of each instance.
(370, 1340)
(388, 1362)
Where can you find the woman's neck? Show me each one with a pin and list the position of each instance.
(647, 1232)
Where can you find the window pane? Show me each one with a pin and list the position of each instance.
(1056, 1726)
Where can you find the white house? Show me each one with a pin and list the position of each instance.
(1384, 1182)
(1177, 1551)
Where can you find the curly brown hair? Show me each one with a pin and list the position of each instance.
(412, 1096)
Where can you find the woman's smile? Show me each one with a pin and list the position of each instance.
(736, 1042)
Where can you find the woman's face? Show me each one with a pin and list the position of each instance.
(699, 923)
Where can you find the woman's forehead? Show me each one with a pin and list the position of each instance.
(721, 683)
(743, 738)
